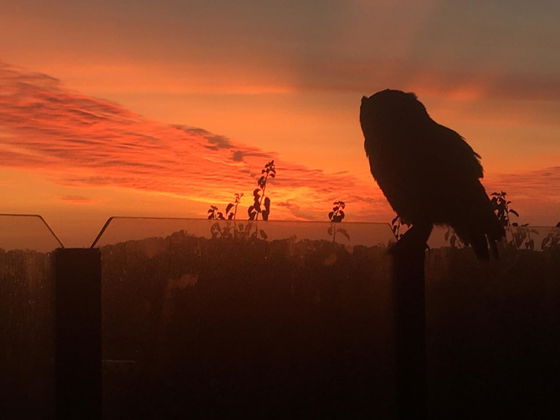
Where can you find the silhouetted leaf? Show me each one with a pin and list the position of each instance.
(331, 215)
(229, 207)
(265, 214)
(230, 216)
(514, 212)
(267, 204)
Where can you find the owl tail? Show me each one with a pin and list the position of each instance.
(483, 241)
(481, 229)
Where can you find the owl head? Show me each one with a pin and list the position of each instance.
(390, 109)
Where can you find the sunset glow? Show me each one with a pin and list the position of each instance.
(165, 108)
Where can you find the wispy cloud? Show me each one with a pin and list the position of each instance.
(77, 199)
(80, 141)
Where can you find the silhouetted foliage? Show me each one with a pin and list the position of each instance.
(235, 230)
(500, 206)
(214, 214)
(428, 172)
(261, 203)
(396, 226)
(521, 236)
(231, 210)
(337, 214)
(552, 240)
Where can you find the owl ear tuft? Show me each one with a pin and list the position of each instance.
(364, 98)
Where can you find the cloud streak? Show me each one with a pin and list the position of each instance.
(75, 140)
(80, 141)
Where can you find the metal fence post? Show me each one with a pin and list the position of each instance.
(77, 277)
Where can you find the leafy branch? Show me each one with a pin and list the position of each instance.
(337, 213)
(231, 210)
(261, 203)
(336, 216)
(214, 214)
(500, 205)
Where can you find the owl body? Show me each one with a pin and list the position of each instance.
(428, 172)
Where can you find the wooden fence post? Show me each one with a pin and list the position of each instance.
(410, 331)
(77, 277)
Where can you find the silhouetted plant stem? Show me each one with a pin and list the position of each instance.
(262, 196)
(259, 194)
(336, 216)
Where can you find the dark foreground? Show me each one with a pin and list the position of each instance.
(208, 328)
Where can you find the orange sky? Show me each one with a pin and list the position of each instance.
(99, 101)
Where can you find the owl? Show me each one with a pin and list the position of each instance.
(428, 172)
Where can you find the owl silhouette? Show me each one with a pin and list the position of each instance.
(428, 173)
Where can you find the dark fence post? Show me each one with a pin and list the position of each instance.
(410, 331)
(77, 279)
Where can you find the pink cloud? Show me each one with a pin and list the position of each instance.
(80, 141)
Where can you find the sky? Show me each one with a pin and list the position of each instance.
(161, 108)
